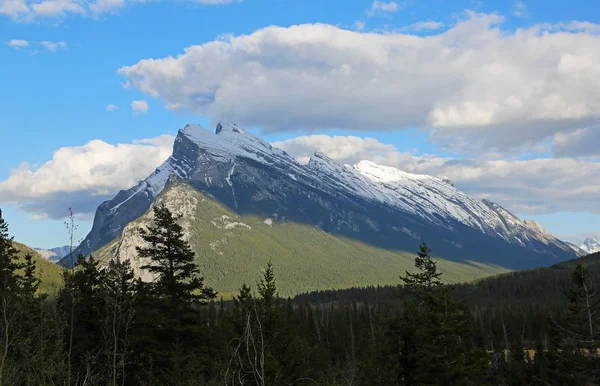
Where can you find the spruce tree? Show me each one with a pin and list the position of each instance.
(119, 298)
(436, 339)
(83, 308)
(10, 307)
(172, 261)
(178, 348)
(580, 335)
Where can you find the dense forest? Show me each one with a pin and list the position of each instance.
(105, 327)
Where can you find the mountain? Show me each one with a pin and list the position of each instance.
(54, 254)
(378, 207)
(50, 274)
(590, 245)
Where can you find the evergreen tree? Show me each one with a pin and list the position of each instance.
(118, 297)
(172, 261)
(178, 345)
(436, 339)
(83, 308)
(579, 336)
(10, 305)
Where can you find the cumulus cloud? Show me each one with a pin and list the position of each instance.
(46, 44)
(17, 43)
(423, 26)
(111, 107)
(520, 9)
(583, 142)
(31, 10)
(53, 46)
(536, 186)
(472, 85)
(83, 176)
(382, 7)
(139, 107)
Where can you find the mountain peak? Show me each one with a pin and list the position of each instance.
(224, 126)
(590, 245)
(320, 161)
(536, 226)
(382, 173)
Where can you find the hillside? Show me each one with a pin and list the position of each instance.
(231, 249)
(49, 273)
(531, 288)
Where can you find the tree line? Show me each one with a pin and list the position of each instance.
(106, 327)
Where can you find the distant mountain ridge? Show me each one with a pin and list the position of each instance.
(374, 204)
(54, 254)
(590, 245)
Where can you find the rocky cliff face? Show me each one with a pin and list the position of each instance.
(375, 204)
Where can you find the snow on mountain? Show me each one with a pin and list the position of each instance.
(590, 245)
(367, 200)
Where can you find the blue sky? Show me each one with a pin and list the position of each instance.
(55, 95)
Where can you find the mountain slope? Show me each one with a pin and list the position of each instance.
(54, 254)
(231, 249)
(367, 203)
(49, 273)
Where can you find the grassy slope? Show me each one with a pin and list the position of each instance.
(305, 258)
(49, 273)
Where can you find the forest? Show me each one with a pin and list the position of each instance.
(105, 327)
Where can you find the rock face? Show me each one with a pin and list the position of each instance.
(54, 254)
(374, 204)
(590, 245)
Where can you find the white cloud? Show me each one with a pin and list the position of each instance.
(111, 107)
(579, 143)
(520, 9)
(471, 85)
(53, 46)
(17, 43)
(424, 26)
(83, 176)
(56, 8)
(359, 25)
(48, 45)
(535, 186)
(139, 107)
(382, 7)
(30, 10)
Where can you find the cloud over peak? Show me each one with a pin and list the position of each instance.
(83, 176)
(535, 186)
(470, 84)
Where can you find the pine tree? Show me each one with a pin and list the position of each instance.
(172, 261)
(10, 305)
(581, 333)
(436, 339)
(178, 348)
(83, 308)
(118, 298)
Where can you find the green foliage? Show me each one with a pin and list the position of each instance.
(434, 333)
(50, 275)
(167, 311)
(172, 260)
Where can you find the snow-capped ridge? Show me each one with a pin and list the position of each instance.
(590, 245)
(320, 161)
(224, 126)
(383, 173)
(230, 162)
